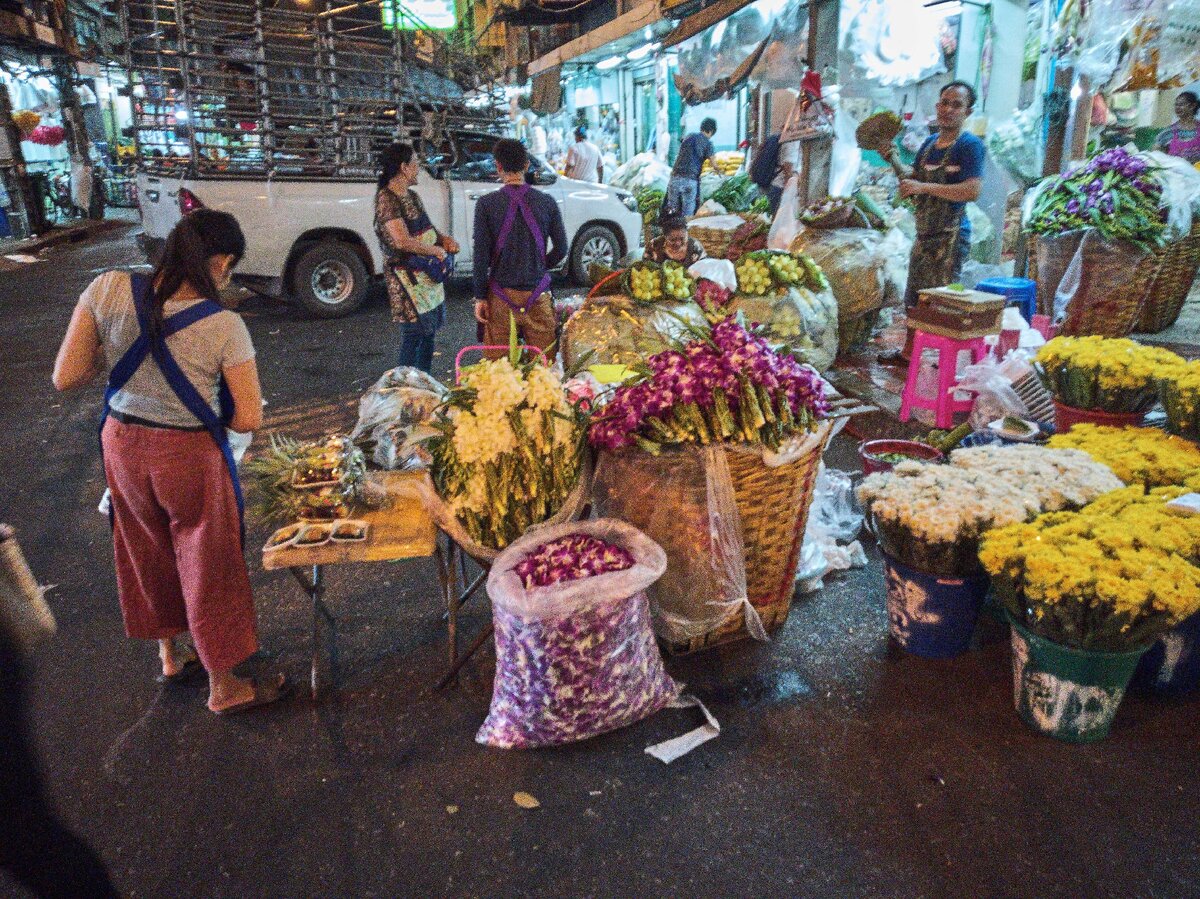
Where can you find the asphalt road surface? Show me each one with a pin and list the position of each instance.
(841, 769)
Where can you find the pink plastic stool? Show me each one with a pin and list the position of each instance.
(944, 404)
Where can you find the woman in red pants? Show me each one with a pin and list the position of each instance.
(181, 369)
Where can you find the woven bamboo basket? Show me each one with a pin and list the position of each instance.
(1112, 309)
(715, 241)
(773, 505)
(1170, 289)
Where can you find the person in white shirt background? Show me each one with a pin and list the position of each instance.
(583, 159)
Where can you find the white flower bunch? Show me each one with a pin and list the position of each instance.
(944, 503)
(1058, 478)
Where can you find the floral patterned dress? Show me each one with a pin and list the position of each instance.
(411, 292)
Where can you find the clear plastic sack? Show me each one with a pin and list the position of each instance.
(575, 659)
(616, 330)
(995, 397)
(719, 271)
(1181, 192)
(787, 220)
(403, 396)
(803, 319)
(834, 507)
(853, 261)
(1098, 273)
(683, 500)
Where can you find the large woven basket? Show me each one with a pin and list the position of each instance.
(1170, 289)
(773, 504)
(1112, 306)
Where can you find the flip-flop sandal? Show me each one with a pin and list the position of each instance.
(191, 673)
(264, 694)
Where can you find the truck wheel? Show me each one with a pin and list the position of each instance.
(330, 279)
(596, 245)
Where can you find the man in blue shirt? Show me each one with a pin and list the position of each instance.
(511, 258)
(683, 190)
(946, 175)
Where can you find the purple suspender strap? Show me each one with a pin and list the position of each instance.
(516, 202)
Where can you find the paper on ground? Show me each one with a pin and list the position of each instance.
(669, 750)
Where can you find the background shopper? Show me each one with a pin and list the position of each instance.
(683, 189)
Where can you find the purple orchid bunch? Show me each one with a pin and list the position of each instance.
(1114, 194)
(571, 558)
(723, 384)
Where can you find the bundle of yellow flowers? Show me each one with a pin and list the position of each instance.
(1108, 374)
(1136, 455)
(1112, 577)
(1181, 398)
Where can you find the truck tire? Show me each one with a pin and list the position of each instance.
(595, 245)
(330, 279)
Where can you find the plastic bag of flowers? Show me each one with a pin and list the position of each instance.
(575, 652)
(1087, 593)
(617, 331)
(509, 455)
(690, 448)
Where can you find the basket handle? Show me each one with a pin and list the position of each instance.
(609, 277)
(483, 348)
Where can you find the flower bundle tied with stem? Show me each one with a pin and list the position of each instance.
(1116, 194)
(718, 384)
(1104, 373)
(509, 449)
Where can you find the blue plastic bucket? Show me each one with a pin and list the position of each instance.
(931, 616)
(1172, 664)
(1021, 292)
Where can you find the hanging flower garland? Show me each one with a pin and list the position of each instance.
(26, 120)
(48, 135)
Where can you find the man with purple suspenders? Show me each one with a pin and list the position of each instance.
(512, 263)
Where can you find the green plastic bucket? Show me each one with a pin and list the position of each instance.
(1069, 694)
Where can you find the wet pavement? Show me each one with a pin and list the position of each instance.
(842, 768)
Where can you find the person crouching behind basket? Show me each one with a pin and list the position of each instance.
(675, 244)
(512, 262)
(181, 369)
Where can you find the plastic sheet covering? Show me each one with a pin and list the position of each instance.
(717, 52)
(994, 394)
(805, 320)
(895, 249)
(643, 170)
(1016, 144)
(719, 271)
(394, 416)
(781, 65)
(617, 330)
(576, 659)
(1181, 192)
(1097, 269)
(834, 519)
(683, 500)
(787, 224)
(853, 261)
(890, 42)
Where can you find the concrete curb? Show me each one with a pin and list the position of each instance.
(55, 236)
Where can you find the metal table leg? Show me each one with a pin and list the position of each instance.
(324, 633)
(449, 575)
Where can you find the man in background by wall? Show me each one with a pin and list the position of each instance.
(583, 159)
(683, 190)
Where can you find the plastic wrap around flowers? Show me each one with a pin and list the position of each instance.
(571, 558)
(722, 385)
(1115, 194)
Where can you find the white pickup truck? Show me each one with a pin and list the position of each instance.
(316, 238)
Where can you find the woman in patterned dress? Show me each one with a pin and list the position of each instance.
(419, 259)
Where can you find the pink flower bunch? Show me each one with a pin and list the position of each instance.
(711, 296)
(571, 558)
(730, 385)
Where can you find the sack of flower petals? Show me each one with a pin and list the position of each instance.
(571, 558)
(575, 655)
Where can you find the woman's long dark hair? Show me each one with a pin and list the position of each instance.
(393, 157)
(197, 237)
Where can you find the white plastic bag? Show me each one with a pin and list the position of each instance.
(787, 220)
(994, 394)
(719, 271)
(847, 157)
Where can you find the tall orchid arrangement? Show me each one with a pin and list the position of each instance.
(720, 384)
(1115, 194)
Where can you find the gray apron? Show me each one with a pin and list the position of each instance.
(941, 248)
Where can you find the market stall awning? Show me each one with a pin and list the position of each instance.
(543, 13)
(640, 16)
(705, 18)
